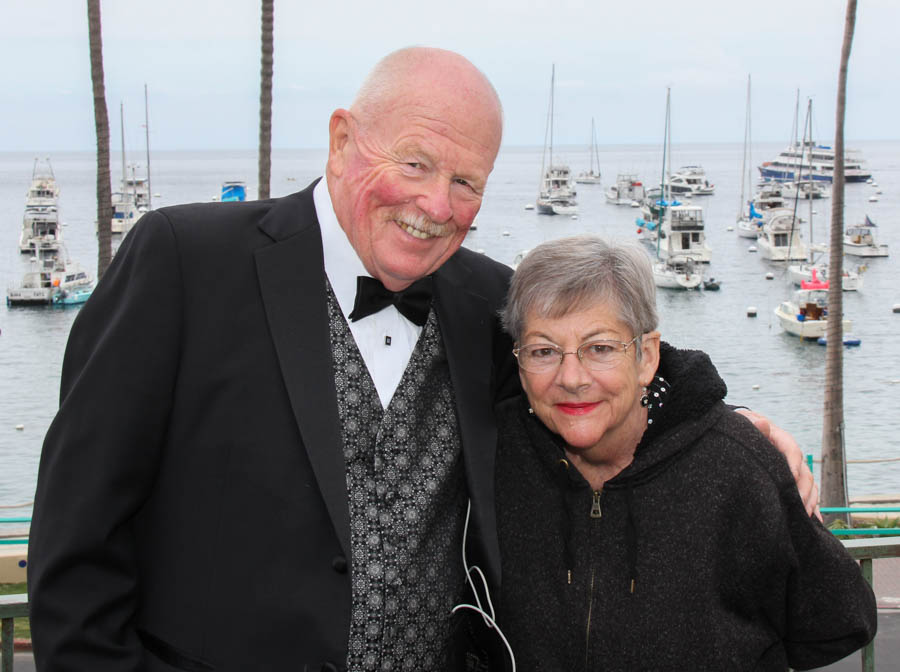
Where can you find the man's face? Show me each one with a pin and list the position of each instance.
(407, 186)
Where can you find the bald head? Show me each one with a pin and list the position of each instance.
(437, 73)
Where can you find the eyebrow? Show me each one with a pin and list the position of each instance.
(598, 334)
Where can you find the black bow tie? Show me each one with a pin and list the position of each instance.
(414, 302)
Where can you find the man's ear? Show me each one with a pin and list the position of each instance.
(338, 141)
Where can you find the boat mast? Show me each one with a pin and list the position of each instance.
(147, 138)
(552, 89)
(795, 130)
(122, 125)
(664, 188)
(547, 133)
(745, 182)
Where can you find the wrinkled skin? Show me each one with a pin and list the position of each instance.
(407, 178)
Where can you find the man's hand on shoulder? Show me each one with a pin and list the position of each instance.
(788, 447)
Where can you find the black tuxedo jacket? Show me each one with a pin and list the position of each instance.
(191, 509)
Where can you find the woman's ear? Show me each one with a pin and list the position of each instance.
(649, 357)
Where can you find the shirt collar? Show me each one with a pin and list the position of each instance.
(342, 264)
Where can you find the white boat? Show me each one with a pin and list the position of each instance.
(41, 230)
(748, 221)
(696, 177)
(679, 186)
(132, 200)
(859, 241)
(806, 314)
(769, 197)
(805, 160)
(43, 191)
(591, 176)
(817, 164)
(779, 238)
(125, 212)
(749, 228)
(556, 194)
(690, 181)
(683, 234)
(678, 259)
(810, 276)
(806, 189)
(49, 277)
(627, 190)
(677, 273)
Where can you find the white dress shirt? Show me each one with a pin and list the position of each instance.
(386, 339)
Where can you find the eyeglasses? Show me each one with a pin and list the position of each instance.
(594, 355)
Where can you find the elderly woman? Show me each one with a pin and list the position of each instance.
(644, 526)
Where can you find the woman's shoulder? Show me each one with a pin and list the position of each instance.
(740, 448)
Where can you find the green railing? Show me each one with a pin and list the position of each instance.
(11, 608)
(866, 551)
(11, 541)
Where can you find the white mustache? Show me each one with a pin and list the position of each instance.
(422, 226)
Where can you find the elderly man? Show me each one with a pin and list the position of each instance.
(263, 456)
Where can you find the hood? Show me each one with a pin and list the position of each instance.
(692, 405)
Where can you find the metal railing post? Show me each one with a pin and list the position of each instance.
(6, 644)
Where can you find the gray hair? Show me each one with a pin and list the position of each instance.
(570, 274)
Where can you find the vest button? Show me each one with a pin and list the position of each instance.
(339, 564)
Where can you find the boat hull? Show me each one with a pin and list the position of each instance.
(865, 250)
(812, 329)
(29, 297)
(784, 174)
(667, 278)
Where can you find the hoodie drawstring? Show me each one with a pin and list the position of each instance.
(631, 537)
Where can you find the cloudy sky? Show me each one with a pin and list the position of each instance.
(614, 60)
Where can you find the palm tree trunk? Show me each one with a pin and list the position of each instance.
(265, 99)
(101, 126)
(834, 473)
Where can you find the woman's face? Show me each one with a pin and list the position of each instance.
(598, 413)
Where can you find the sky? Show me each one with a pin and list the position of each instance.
(200, 61)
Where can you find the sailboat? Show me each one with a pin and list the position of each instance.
(748, 219)
(672, 271)
(591, 177)
(556, 196)
(133, 198)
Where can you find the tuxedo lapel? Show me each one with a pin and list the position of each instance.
(292, 282)
(466, 326)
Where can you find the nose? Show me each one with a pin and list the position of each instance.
(572, 375)
(434, 200)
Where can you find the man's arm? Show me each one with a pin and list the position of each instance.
(788, 447)
(100, 458)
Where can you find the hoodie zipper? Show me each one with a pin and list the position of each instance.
(596, 513)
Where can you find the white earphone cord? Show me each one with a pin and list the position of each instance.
(477, 607)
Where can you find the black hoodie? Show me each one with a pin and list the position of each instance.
(698, 556)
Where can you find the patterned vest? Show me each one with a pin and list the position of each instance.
(406, 490)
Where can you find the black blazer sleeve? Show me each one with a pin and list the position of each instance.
(100, 458)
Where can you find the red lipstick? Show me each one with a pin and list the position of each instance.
(577, 409)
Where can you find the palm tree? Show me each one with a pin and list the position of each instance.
(101, 126)
(834, 477)
(265, 99)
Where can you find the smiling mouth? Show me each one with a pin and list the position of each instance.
(577, 409)
(421, 227)
(421, 235)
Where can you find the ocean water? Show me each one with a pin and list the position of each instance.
(770, 371)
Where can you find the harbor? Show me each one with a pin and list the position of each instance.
(771, 371)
